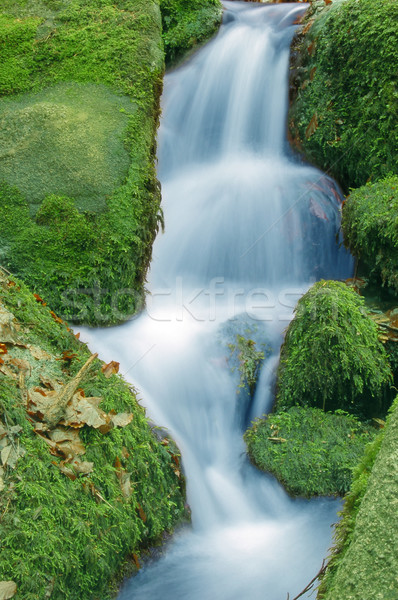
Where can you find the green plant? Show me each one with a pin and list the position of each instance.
(309, 451)
(331, 357)
(67, 537)
(95, 270)
(187, 23)
(344, 112)
(370, 226)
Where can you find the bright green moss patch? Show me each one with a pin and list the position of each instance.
(60, 537)
(344, 115)
(88, 145)
(332, 358)
(365, 560)
(310, 452)
(187, 23)
(370, 226)
(66, 140)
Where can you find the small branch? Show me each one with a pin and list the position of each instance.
(311, 583)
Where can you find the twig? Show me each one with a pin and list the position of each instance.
(311, 583)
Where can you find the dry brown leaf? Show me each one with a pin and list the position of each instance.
(122, 419)
(8, 589)
(38, 353)
(110, 369)
(307, 27)
(312, 126)
(3, 349)
(5, 454)
(85, 411)
(67, 442)
(136, 561)
(141, 512)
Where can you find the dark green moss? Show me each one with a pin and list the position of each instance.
(370, 226)
(312, 453)
(344, 115)
(70, 537)
(187, 23)
(332, 358)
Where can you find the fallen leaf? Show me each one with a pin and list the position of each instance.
(311, 48)
(55, 317)
(307, 27)
(327, 2)
(110, 369)
(68, 355)
(5, 453)
(85, 411)
(8, 589)
(312, 73)
(122, 419)
(38, 353)
(3, 349)
(312, 126)
(141, 512)
(39, 299)
(136, 561)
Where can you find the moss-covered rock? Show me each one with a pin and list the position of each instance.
(91, 141)
(370, 226)
(364, 565)
(331, 357)
(71, 511)
(187, 23)
(344, 111)
(312, 453)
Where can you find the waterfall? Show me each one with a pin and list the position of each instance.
(248, 229)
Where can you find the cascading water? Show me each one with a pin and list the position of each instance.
(248, 230)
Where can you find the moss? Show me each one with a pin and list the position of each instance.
(344, 115)
(187, 23)
(113, 53)
(68, 538)
(370, 226)
(365, 559)
(332, 358)
(66, 140)
(309, 451)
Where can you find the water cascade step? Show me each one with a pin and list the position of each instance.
(248, 229)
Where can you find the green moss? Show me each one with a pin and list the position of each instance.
(309, 451)
(66, 140)
(365, 559)
(68, 538)
(88, 151)
(331, 357)
(370, 226)
(187, 23)
(344, 115)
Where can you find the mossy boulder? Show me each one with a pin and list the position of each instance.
(187, 23)
(344, 114)
(364, 562)
(370, 226)
(75, 499)
(79, 103)
(331, 357)
(311, 453)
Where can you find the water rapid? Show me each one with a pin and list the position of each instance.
(248, 229)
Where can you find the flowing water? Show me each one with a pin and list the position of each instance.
(248, 229)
